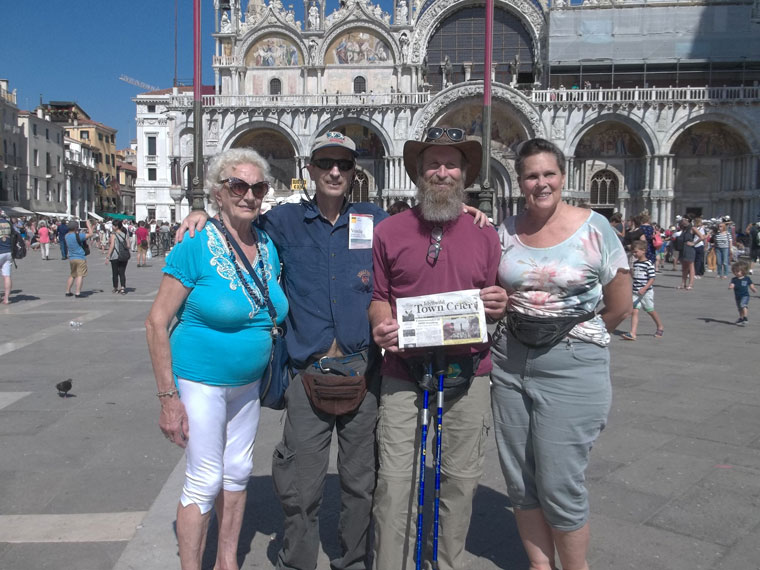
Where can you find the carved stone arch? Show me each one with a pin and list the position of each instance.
(427, 24)
(260, 33)
(641, 129)
(382, 31)
(511, 97)
(231, 133)
(384, 136)
(750, 136)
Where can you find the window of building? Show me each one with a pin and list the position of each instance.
(360, 85)
(47, 134)
(460, 39)
(275, 87)
(108, 159)
(151, 108)
(47, 190)
(67, 133)
(36, 189)
(360, 187)
(48, 166)
(604, 189)
(113, 159)
(59, 164)
(100, 136)
(84, 135)
(34, 129)
(151, 174)
(59, 197)
(151, 146)
(36, 157)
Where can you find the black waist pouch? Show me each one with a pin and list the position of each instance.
(459, 371)
(542, 332)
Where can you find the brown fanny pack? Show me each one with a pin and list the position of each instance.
(337, 386)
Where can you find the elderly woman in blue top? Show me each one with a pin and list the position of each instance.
(207, 370)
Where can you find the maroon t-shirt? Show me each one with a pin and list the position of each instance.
(468, 259)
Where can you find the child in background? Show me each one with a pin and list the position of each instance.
(742, 285)
(643, 274)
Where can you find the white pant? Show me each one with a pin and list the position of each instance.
(223, 423)
(45, 250)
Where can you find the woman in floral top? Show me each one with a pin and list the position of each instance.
(551, 403)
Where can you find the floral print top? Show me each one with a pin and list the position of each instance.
(565, 279)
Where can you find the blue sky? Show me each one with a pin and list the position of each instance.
(76, 50)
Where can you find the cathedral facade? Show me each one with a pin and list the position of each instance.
(656, 105)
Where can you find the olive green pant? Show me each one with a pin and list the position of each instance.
(466, 422)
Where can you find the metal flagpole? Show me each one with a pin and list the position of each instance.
(485, 198)
(197, 197)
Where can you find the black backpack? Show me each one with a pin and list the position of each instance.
(18, 246)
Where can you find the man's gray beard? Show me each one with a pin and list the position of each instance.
(439, 205)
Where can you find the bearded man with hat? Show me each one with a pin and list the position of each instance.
(432, 248)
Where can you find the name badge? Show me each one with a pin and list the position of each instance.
(360, 230)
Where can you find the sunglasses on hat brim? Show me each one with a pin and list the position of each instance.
(435, 133)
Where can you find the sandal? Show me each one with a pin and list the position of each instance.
(627, 336)
(114, 291)
(658, 333)
(123, 291)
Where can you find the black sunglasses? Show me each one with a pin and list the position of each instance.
(344, 164)
(454, 134)
(239, 188)
(435, 245)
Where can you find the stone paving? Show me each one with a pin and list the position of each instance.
(89, 483)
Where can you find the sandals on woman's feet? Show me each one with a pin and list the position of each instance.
(658, 333)
(123, 291)
(628, 336)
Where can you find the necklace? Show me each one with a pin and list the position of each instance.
(255, 295)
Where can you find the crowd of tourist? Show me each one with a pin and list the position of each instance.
(330, 271)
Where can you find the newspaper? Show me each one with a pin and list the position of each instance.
(444, 319)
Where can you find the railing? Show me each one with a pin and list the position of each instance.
(9, 96)
(151, 159)
(76, 157)
(292, 101)
(647, 94)
(227, 60)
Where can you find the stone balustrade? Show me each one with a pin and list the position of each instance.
(647, 95)
(370, 100)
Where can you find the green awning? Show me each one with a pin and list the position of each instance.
(115, 216)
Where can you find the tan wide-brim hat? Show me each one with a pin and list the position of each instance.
(471, 150)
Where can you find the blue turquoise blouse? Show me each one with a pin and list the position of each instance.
(223, 334)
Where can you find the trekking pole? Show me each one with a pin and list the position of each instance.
(439, 363)
(424, 420)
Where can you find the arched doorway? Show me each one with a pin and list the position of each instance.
(611, 149)
(708, 169)
(278, 152)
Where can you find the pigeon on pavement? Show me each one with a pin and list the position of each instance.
(63, 388)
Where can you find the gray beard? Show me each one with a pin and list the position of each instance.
(439, 205)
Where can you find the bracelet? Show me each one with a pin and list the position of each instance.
(168, 393)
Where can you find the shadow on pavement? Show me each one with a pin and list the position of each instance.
(492, 535)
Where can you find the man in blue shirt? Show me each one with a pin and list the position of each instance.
(328, 280)
(62, 230)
